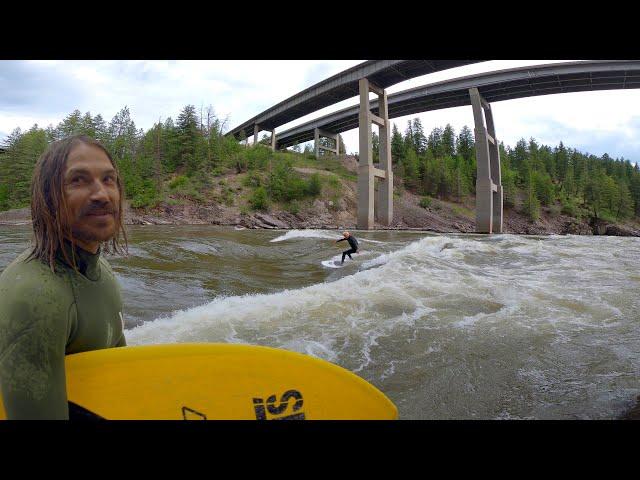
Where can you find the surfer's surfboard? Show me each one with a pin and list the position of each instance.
(332, 263)
(208, 381)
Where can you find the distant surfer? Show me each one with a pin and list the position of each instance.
(60, 296)
(353, 243)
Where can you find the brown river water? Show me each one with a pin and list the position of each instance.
(448, 326)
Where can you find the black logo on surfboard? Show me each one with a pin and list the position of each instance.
(191, 414)
(269, 410)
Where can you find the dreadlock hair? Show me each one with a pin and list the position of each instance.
(49, 206)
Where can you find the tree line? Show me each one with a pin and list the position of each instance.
(443, 165)
(186, 155)
(172, 157)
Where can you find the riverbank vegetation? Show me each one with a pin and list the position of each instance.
(534, 176)
(190, 159)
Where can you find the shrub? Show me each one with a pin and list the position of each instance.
(334, 182)
(425, 202)
(259, 199)
(569, 207)
(252, 180)
(315, 186)
(228, 196)
(293, 207)
(178, 182)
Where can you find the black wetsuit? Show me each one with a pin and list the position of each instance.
(354, 246)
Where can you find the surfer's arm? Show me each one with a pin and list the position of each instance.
(32, 368)
(341, 240)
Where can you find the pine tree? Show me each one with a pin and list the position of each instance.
(397, 145)
(101, 131)
(624, 207)
(375, 147)
(534, 158)
(87, 127)
(411, 168)
(545, 191)
(569, 185)
(434, 142)
(122, 134)
(408, 137)
(509, 186)
(520, 159)
(561, 160)
(170, 146)
(188, 135)
(634, 190)
(531, 205)
(466, 144)
(419, 140)
(448, 141)
(593, 192)
(52, 134)
(71, 125)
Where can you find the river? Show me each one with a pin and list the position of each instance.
(448, 326)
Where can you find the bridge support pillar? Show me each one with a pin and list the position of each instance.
(257, 129)
(317, 133)
(489, 200)
(367, 172)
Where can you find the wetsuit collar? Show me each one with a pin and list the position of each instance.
(87, 262)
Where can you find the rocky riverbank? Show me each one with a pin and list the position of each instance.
(339, 212)
(442, 217)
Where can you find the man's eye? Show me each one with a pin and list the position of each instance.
(77, 179)
(110, 179)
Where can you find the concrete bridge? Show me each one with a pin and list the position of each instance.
(476, 90)
(341, 86)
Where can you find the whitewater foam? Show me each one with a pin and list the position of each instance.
(464, 318)
(292, 234)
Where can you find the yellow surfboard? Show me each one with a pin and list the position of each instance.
(208, 381)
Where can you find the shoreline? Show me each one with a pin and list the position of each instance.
(410, 218)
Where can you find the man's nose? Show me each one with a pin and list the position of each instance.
(99, 192)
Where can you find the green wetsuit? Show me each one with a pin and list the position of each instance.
(45, 316)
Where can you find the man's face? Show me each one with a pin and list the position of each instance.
(91, 192)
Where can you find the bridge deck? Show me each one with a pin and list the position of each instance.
(493, 86)
(343, 86)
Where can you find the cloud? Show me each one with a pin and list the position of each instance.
(32, 87)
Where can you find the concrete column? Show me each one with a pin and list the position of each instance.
(496, 177)
(316, 142)
(365, 165)
(319, 133)
(484, 184)
(385, 204)
(256, 130)
(332, 136)
(273, 139)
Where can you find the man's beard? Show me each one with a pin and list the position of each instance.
(80, 232)
(86, 233)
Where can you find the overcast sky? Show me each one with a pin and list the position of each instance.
(44, 92)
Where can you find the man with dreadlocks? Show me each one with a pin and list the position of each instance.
(60, 296)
